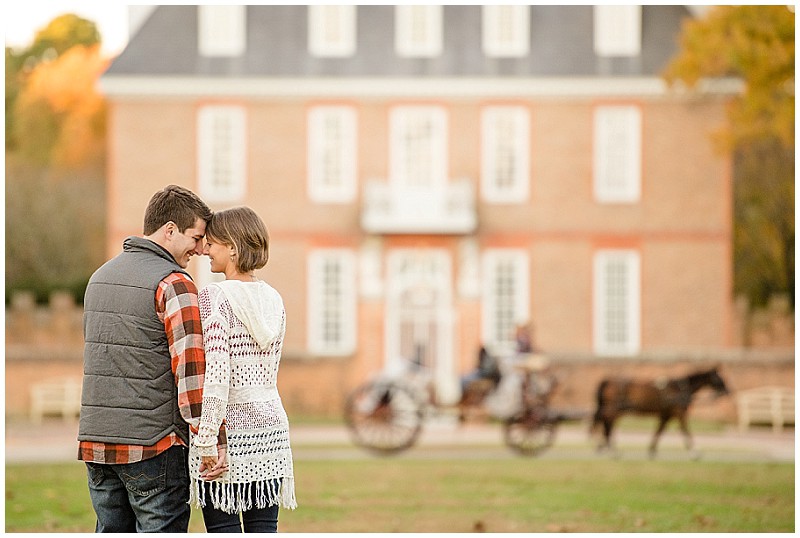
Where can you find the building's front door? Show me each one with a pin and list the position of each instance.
(420, 316)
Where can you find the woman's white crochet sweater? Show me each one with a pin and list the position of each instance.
(243, 329)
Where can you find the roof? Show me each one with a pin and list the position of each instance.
(561, 45)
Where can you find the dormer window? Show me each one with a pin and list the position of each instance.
(332, 31)
(506, 31)
(617, 30)
(418, 31)
(222, 30)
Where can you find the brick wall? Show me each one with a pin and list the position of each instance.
(45, 342)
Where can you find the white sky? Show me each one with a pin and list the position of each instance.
(22, 19)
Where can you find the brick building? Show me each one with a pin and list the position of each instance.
(433, 175)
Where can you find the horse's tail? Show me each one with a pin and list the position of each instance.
(598, 412)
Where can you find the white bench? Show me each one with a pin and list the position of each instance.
(61, 397)
(765, 405)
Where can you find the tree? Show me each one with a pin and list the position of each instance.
(55, 159)
(60, 116)
(63, 33)
(59, 36)
(756, 44)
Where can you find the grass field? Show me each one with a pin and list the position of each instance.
(510, 495)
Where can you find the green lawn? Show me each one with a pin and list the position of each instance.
(438, 495)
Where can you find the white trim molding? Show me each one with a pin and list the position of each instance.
(180, 87)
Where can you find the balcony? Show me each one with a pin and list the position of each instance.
(399, 209)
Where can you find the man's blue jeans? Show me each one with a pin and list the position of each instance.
(147, 496)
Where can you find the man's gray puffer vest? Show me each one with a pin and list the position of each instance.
(129, 393)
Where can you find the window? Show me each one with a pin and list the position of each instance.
(505, 161)
(506, 294)
(617, 154)
(418, 146)
(332, 302)
(418, 31)
(332, 154)
(332, 30)
(617, 30)
(221, 153)
(616, 302)
(222, 30)
(506, 31)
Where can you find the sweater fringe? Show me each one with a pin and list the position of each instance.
(239, 497)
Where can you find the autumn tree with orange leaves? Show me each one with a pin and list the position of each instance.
(754, 43)
(55, 159)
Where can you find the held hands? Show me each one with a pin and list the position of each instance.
(212, 467)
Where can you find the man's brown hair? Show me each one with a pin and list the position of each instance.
(243, 230)
(177, 204)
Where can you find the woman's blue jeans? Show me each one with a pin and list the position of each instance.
(147, 496)
(254, 520)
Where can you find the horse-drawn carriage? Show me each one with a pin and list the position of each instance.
(386, 415)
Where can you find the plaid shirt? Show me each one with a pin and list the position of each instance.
(176, 305)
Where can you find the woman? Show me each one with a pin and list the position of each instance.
(243, 328)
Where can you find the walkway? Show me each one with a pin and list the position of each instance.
(54, 441)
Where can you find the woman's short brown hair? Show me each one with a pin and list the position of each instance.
(242, 229)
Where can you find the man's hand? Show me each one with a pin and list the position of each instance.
(212, 467)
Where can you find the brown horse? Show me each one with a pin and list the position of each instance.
(667, 399)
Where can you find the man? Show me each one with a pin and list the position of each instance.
(144, 367)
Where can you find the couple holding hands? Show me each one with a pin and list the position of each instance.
(180, 404)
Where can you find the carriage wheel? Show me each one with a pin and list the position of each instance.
(383, 417)
(528, 434)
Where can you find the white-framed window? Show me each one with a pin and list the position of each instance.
(617, 30)
(222, 30)
(617, 299)
(506, 294)
(418, 31)
(617, 154)
(221, 152)
(332, 154)
(332, 301)
(505, 148)
(418, 137)
(332, 30)
(506, 31)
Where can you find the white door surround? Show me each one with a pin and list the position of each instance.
(419, 319)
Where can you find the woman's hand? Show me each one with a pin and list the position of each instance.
(212, 467)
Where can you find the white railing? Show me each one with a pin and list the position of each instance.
(445, 209)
